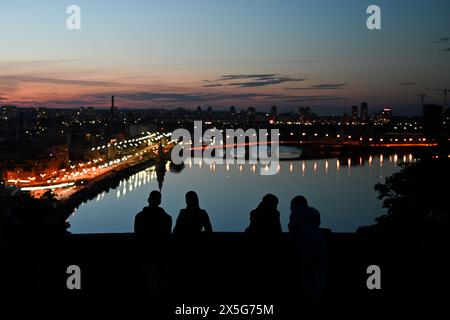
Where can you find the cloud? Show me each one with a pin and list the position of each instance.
(76, 102)
(442, 40)
(313, 98)
(48, 80)
(256, 80)
(213, 85)
(446, 50)
(246, 76)
(185, 97)
(322, 86)
(407, 83)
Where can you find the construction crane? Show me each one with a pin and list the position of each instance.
(422, 97)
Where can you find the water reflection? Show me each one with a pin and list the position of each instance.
(231, 191)
(158, 172)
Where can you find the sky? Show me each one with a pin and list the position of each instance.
(184, 53)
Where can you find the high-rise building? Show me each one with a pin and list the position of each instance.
(386, 115)
(113, 108)
(364, 111)
(432, 120)
(8, 112)
(383, 117)
(355, 112)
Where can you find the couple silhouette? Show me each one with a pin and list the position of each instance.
(153, 223)
(304, 226)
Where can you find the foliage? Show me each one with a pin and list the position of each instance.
(416, 194)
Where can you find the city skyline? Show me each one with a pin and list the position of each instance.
(157, 54)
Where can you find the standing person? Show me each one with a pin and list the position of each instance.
(192, 220)
(153, 227)
(304, 223)
(192, 234)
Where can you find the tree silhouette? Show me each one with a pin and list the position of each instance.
(416, 194)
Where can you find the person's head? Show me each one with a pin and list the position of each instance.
(299, 201)
(270, 201)
(192, 201)
(154, 198)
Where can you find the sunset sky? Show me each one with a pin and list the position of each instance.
(247, 53)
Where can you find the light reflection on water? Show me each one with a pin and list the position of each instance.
(345, 198)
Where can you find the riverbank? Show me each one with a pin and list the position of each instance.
(103, 183)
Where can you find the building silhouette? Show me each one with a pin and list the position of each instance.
(355, 112)
(432, 120)
(364, 111)
(113, 108)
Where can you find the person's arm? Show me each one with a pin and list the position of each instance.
(179, 222)
(169, 225)
(290, 225)
(207, 223)
(167, 222)
(279, 228)
(137, 224)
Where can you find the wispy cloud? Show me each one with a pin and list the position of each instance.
(322, 86)
(255, 80)
(446, 50)
(48, 80)
(442, 40)
(299, 99)
(408, 83)
(162, 97)
(246, 76)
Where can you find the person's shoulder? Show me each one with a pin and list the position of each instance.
(314, 211)
(162, 212)
(168, 216)
(182, 213)
(140, 213)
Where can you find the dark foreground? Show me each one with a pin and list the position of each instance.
(227, 268)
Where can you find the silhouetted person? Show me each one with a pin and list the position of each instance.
(192, 220)
(153, 224)
(265, 219)
(191, 229)
(304, 223)
(153, 227)
(262, 249)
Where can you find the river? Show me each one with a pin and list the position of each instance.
(341, 189)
